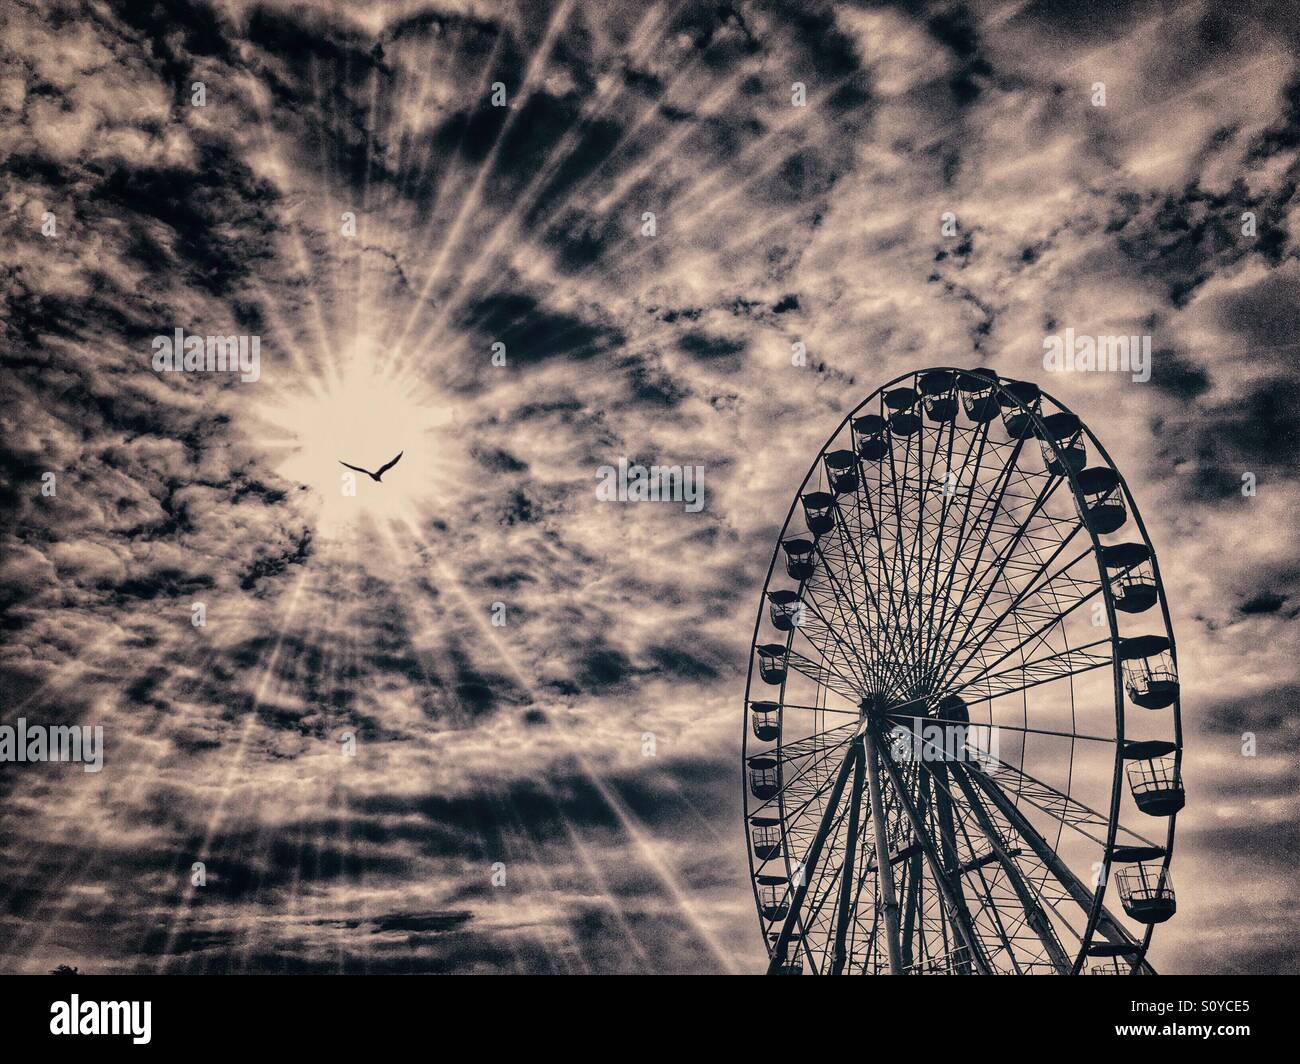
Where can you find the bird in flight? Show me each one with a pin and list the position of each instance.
(376, 477)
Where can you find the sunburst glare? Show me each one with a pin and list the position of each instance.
(364, 419)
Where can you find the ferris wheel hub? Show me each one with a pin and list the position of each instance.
(874, 707)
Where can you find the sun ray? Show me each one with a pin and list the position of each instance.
(642, 843)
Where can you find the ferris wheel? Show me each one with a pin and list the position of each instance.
(962, 737)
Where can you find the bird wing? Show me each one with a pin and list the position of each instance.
(356, 467)
(385, 468)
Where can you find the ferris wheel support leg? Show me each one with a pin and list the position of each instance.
(960, 914)
(1034, 913)
(782, 947)
(884, 868)
(948, 835)
(848, 869)
(912, 900)
(1106, 923)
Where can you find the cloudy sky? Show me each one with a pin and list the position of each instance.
(349, 743)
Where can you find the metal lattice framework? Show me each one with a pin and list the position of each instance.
(962, 716)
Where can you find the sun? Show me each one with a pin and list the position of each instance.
(363, 418)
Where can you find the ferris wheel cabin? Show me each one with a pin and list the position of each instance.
(784, 608)
(842, 472)
(794, 959)
(977, 397)
(1133, 582)
(799, 563)
(1102, 502)
(1018, 423)
(936, 395)
(764, 779)
(1065, 430)
(1147, 892)
(1149, 672)
(766, 836)
(869, 437)
(771, 662)
(903, 421)
(819, 512)
(773, 897)
(1153, 777)
(765, 718)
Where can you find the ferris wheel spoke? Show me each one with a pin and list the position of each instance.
(975, 576)
(988, 907)
(1055, 803)
(897, 590)
(823, 675)
(894, 572)
(845, 601)
(797, 764)
(1049, 613)
(935, 565)
(1041, 585)
(888, 639)
(985, 685)
(907, 718)
(1029, 643)
(852, 604)
(1084, 589)
(943, 819)
(913, 575)
(821, 709)
(986, 915)
(847, 546)
(1107, 925)
(936, 645)
(910, 590)
(981, 528)
(1034, 914)
(930, 555)
(1071, 662)
(1058, 805)
(1017, 891)
(919, 901)
(849, 661)
(821, 628)
(912, 581)
(835, 884)
(881, 566)
(1000, 559)
(877, 576)
(818, 744)
(820, 891)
